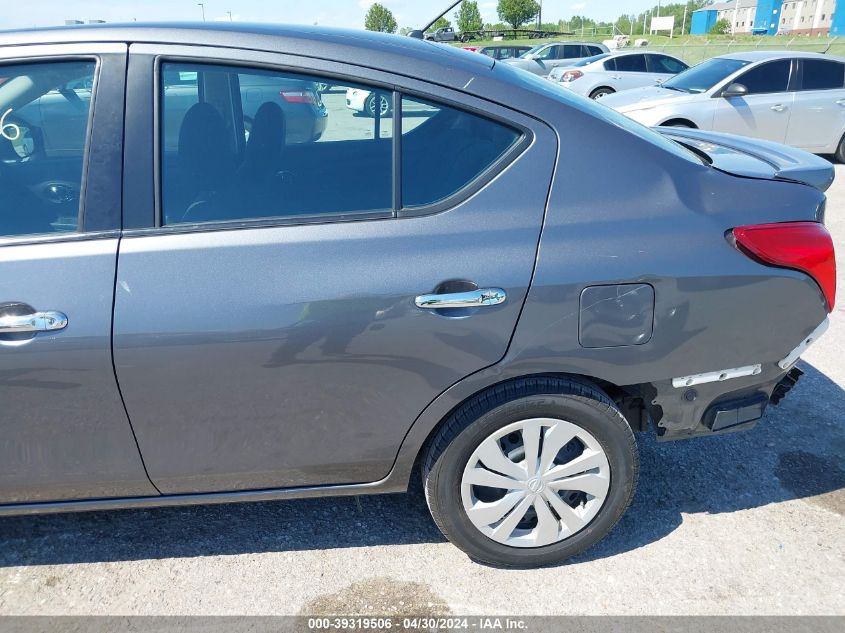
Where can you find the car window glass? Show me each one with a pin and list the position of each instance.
(444, 149)
(663, 64)
(631, 64)
(572, 51)
(594, 50)
(767, 78)
(241, 144)
(821, 74)
(44, 120)
(610, 64)
(705, 75)
(551, 52)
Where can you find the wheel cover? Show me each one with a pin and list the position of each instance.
(535, 482)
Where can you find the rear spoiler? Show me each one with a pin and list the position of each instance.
(755, 158)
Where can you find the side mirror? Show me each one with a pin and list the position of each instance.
(734, 90)
(417, 34)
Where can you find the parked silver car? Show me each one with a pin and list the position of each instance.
(788, 97)
(541, 59)
(604, 74)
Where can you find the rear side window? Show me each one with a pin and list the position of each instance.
(44, 120)
(767, 78)
(631, 64)
(239, 144)
(445, 149)
(663, 64)
(593, 50)
(572, 51)
(821, 74)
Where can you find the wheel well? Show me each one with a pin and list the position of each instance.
(595, 90)
(679, 122)
(634, 401)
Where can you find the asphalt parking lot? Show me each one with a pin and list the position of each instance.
(743, 524)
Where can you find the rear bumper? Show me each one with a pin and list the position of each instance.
(724, 401)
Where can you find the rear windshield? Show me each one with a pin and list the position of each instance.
(703, 77)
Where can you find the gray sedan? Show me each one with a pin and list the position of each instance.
(449, 291)
(541, 59)
(788, 97)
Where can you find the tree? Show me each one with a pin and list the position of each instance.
(468, 17)
(380, 18)
(517, 12)
(441, 23)
(720, 27)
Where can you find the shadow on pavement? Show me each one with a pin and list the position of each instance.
(795, 452)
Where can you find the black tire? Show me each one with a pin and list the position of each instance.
(598, 93)
(370, 106)
(576, 401)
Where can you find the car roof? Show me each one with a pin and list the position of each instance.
(381, 51)
(638, 51)
(757, 56)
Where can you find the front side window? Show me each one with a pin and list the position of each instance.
(44, 114)
(572, 51)
(445, 149)
(767, 78)
(821, 74)
(631, 64)
(242, 144)
(550, 52)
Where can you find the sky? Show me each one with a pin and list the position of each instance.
(343, 13)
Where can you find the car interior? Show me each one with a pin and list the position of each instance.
(41, 155)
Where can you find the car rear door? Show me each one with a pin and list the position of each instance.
(818, 117)
(765, 111)
(631, 72)
(287, 331)
(64, 432)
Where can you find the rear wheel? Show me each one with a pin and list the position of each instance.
(384, 106)
(531, 472)
(598, 93)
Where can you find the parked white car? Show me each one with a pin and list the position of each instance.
(541, 59)
(787, 97)
(364, 101)
(602, 75)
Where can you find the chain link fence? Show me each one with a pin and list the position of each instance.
(694, 53)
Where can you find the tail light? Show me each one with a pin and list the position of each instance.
(804, 246)
(572, 75)
(299, 96)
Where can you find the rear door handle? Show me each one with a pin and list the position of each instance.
(779, 107)
(35, 322)
(480, 298)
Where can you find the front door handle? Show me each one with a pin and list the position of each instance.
(779, 107)
(35, 322)
(480, 298)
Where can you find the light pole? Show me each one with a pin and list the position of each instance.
(230, 15)
(540, 16)
(201, 5)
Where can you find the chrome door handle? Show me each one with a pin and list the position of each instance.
(472, 299)
(36, 322)
(779, 107)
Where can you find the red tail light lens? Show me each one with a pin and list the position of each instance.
(299, 96)
(804, 246)
(571, 75)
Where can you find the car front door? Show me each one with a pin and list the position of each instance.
(65, 434)
(663, 67)
(765, 110)
(818, 117)
(277, 322)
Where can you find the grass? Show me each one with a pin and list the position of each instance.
(696, 48)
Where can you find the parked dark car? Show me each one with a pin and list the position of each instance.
(237, 317)
(503, 51)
